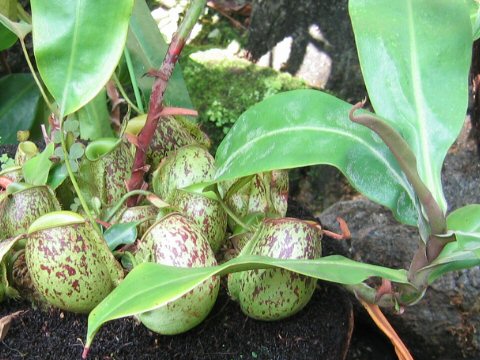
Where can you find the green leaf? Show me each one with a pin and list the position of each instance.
(19, 102)
(308, 127)
(77, 46)
(120, 234)
(57, 137)
(414, 80)
(73, 165)
(58, 152)
(452, 258)
(57, 175)
(76, 151)
(468, 241)
(463, 253)
(147, 48)
(35, 170)
(94, 118)
(465, 219)
(71, 125)
(149, 286)
(465, 222)
(7, 38)
(20, 29)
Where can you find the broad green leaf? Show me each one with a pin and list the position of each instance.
(416, 81)
(7, 38)
(120, 234)
(308, 127)
(465, 252)
(57, 175)
(465, 219)
(77, 45)
(94, 118)
(149, 286)
(35, 170)
(468, 241)
(19, 104)
(147, 48)
(465, 222)
(452, 258)
(20, 29)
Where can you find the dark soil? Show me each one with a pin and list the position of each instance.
(226, 334)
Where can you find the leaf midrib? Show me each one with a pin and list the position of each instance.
(319, 129)
(419, 100)
(213, 272)
(73, 52)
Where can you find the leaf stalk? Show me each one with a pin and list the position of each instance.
(408, 163)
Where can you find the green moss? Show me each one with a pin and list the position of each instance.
(222, 90)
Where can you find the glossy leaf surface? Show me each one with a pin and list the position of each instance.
(416, 82)
(120, 234)
(77, 46)
(19, 104)
(465, 219)
(465, 222)
(308, 127)
(57, 175)
(94, 118)
(465, 252)
(149, 285)
(148, 48)
(7, 38)
(452, 258)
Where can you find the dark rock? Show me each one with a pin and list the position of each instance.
(460, 178)
(443, 324)
(315, 41)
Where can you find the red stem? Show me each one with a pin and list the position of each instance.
(86, 349)
(154, 111)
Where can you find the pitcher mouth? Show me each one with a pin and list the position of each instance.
(136, 124)
(101, 147)
(28, 148)
(55, 219)
(10, 169)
